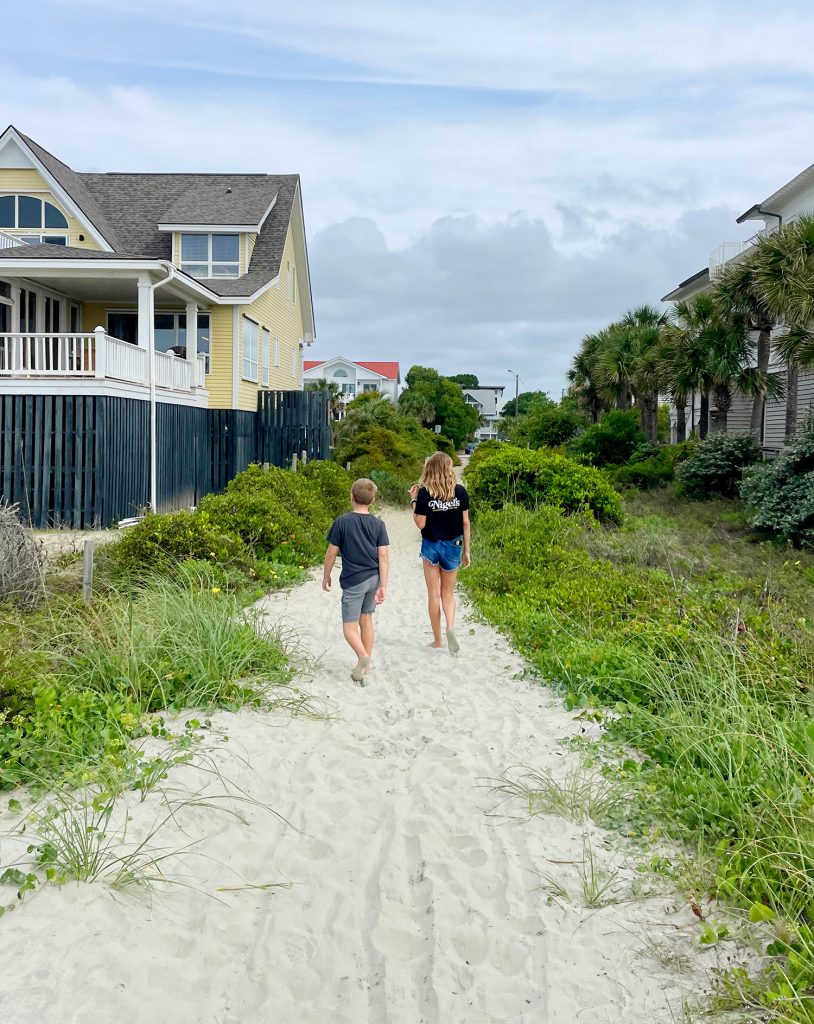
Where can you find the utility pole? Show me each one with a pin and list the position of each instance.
(516, 389)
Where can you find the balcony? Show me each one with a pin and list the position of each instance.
(726, 252)
(97, 356)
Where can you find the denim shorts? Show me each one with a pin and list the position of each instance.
(359, 599)
(446, 553)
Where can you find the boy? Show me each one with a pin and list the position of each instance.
(362, 541)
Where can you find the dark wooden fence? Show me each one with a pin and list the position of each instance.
(84, 461)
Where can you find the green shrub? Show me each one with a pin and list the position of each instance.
(548, 426)
(644, 473)
(532, 478)
(483, 451)
(159, 542)
(612, 441)
(445, 444)
(384, 449)
(779, 493)
(332, 482)
(260, 519)
(715, 468)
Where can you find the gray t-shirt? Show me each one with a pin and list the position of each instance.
(358, 538)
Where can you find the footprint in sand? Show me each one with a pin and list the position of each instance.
(399, 944)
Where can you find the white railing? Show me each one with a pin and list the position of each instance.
(728, 251)
(47, 355)
(8, 241)
(125, 361)
(173, 372)
(96, 355)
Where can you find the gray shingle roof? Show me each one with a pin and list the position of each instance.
(127, 209)
(75, 187)
(221, 204)
(62, 252)
(135, 204)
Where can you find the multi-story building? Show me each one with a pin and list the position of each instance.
(489, 403)
(356, 377)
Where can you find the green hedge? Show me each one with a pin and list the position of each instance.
(531, 478)
(778, 494)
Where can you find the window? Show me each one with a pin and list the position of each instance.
(211, 255)
(370, 387)
(340, 373)
(170, 331)
(249, 349)
(24, 213)
(266, 356)
(276, 351)
(291, 280)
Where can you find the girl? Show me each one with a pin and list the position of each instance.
(441, 511)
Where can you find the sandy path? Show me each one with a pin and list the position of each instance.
(410, 905)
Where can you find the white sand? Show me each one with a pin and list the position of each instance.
(410, 904)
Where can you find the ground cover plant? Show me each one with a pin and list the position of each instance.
(168, 627)
(699, 643)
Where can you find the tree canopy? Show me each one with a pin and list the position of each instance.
(428, 390)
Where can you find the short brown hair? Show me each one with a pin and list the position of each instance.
(363, 491)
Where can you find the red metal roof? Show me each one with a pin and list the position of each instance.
(386, 369)
(389, 370)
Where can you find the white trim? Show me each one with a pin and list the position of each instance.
(101, 268)
(91, 386)
(56, 189)
(256, 325)
(265, 368)
(236, 342)
(211, 229)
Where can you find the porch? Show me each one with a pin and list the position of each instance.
(96, 355)
(87, 324)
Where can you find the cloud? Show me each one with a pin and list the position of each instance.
(468, 295)
(483, 183)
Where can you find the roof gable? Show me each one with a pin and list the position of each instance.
(66, 185)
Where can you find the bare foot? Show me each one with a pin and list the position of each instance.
(436, 647)
(452, 642)
(358, 672)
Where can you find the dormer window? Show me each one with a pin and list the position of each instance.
(33, 220)
(210, 255)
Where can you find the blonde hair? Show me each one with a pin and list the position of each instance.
(438, 477)
(363, 491)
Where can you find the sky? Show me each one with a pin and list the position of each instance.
(484, 183)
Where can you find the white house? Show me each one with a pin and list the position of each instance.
(355, 378)
(790, 201)
(488, 401)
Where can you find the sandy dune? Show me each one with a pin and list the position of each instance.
(410, 902)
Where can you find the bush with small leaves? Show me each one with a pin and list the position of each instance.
(715, 468)
(531, 478)
(779, 493)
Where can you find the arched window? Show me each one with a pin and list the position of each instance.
(33, 220)
(340, 373)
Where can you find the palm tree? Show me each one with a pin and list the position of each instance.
(737, 294)
(414, 403)
(583, 377)
(683, 360)
(784, 279)
(335, 401)
(629, 363)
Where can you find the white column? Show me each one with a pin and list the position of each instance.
(192, 332)
(145, 311)
(100, 348)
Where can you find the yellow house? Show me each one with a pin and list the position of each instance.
(192, 288)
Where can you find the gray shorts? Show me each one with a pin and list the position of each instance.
(360, 599)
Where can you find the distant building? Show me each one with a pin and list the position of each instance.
(792, 200)
(355, 378)
(489, 402)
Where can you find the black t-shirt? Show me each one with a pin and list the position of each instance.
(445, 518)
(358, 538)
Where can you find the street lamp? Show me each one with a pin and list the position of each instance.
(516, 388)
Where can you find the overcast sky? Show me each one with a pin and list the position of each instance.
(483, 182)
